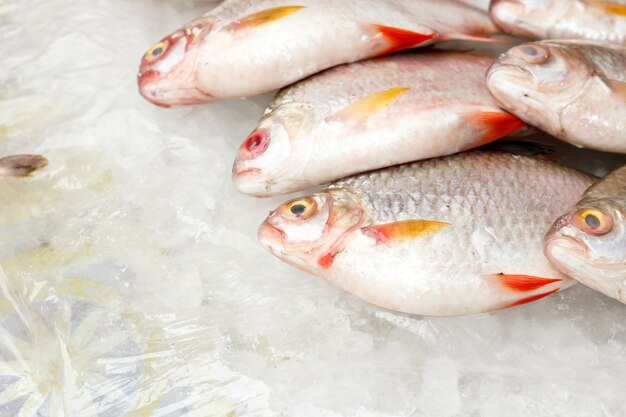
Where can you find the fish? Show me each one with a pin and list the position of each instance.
(588, 243)
(243, 48)
(455, 235)
(368, 115)
(573, 90)
(596, 20)
(21, 165)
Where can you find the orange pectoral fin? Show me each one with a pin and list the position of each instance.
(363, 107)
(400, 39)
(522, 283)
(609, 7)
(493, 125)
(265, 16)
(403, 230)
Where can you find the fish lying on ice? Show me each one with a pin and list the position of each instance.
(573, 90)
(597, 20)
(367, 115)
(447, 236)
(244, 48)
(589, 243)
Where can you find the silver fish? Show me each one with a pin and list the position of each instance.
(597, 20)
(244, 48)
(372, 114)
(573, 90)
(454, 235)
(589, 242)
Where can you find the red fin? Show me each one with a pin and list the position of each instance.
(493, 125)
(475, 38)
(326, 260)
(529, 299)
(523, 282)
(402, 39)
(402, 230)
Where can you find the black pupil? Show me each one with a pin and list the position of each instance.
(157, 51)
(298, 209)
(529, 50)
(592, 221)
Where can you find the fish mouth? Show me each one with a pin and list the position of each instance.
(506, 11)
(170, 79)
(567, 253)
(251, 181)
(271, 238)
(506, 83)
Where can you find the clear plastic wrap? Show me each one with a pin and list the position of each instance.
(132, 283)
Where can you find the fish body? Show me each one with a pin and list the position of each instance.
(368, 115)
(597, 20)
(573, 90)
(589, 242)
(244, 48)
(447, 236)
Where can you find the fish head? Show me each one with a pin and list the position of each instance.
(589, 244)
(272, 158)
(167, 73)
(306, 231)
(524, 17)
(537, 81)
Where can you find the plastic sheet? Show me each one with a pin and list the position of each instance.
(133, 284)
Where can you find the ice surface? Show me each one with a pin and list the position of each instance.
(134, 284)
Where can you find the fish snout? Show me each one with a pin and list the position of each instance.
(506, 11)
(271, 238)
(167, 72)
(249, 180)
(148, 87)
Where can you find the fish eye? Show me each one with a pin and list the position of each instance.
(156, 52)
(533, 54)
(300, 209)
(593, 221)
(256, 143)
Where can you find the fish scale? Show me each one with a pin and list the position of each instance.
(245, 48)
(495, 208)
(378, 113)
(573, 90)
(598, 20)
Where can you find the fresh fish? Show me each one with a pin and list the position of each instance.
(589, 243)
(573, 90)
(597, 20)
(244, 48)
(454, 235)
(367, 115)
(21, 165)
